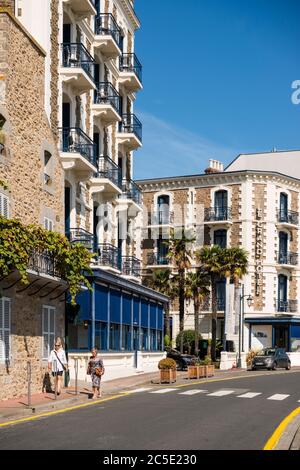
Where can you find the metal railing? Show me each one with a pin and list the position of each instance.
(289, 306)
(288, 217)
(107, 94)
(131, 266)
(155, 259)
(130, 124)
(161, 217)
(106, 25)
(130, 63)
(74, 54)
(110, 170)
(44, 263)
(108, 255)
(206, 305)
(74, 140)
(287, 257)
(131, 191)
(217, 214)
(79, 235)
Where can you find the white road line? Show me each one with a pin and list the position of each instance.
(192, 392)
(220, 393)
(249, 395)
(278, 396)
(139, 390)
(164, 390)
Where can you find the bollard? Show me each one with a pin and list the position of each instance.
(29, 383)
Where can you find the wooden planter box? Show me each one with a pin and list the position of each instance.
(195, 372)
(167, 376)
(209, 371)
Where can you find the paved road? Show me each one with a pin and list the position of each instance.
(227, 414)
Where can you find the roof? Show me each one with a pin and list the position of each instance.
(286, 162)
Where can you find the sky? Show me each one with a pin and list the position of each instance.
(217, 81)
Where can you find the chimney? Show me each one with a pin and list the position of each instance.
(214, 167)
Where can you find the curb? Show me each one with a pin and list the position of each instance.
(290, 439)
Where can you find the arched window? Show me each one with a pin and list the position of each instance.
(282, 293)
(220, 238)
(283, 247)
(283, 208)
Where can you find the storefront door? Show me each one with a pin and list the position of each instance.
(281, 337)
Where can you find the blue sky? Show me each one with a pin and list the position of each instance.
(217, 78)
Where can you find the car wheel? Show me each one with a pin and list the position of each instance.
(274, 366)
(288, 366)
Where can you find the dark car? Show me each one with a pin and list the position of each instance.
(271, 358)
(182, 360)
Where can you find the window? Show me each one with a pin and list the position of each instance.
(4, 206)
(48, 328)
(47, 167)
(114, 337)
(144, 339)
(101, 336)
(159, 340)
(221, 205)
(126, 337)
(48, 224)
(153, 340)
(220, 238)
(5, 314)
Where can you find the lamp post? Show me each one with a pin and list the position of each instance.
(241, 322)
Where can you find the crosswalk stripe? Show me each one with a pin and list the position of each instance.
(278, 396)
(164, 390)
(139, 390)
(220, 393)
(249, 395)
(192, 392)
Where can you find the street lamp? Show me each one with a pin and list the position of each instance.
(241, 322)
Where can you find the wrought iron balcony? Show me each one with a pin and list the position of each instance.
(108, 256)
(110, 170)
(155, 259)
(207, 304)
(74, 140)
(130, 190)
(131, 266)
(130, 63)
(79, 235)
(217, 214)
(106, 25)
(75, 55)
(287, 258)
(288, 217)
(107, 94)
(131, 125)
(44, 263)
(161, 218)
(288, 306)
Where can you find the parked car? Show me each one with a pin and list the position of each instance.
(182, 360)
(271, 358)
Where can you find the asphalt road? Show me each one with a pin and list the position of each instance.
(170, 421)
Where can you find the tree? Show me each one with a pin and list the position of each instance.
(187, 338)
(180, 253)
(197, 288)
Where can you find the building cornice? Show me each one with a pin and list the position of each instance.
(131, 13)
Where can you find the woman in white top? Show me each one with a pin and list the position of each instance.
(57, 362)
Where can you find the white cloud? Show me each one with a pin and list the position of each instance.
(170, 151)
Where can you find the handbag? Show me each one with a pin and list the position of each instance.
(99, 371)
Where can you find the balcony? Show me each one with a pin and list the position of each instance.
(107, 103)
(130, 132)
(44, 264)
(157, 260)
(207, 304)
(131, 266)
(82, 8)
(79, 235)
(287, 258)
(131, 195)
(217, 215)
(287, 306)
(107, 36)
(108, 178)
(77, 67)
(77, 151)
(130, 73)
(108, 256)
(287, 218)
(160, 218)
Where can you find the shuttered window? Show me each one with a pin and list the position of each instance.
(5, 314)
(48, 330)
(4, 206)
(48, 224)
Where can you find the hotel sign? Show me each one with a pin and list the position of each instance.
(259, 252)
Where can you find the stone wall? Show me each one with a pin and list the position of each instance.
(54, 66)
(236, 229)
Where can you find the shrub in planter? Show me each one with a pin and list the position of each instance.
(167, 363)
(167, 369)
(250, 356)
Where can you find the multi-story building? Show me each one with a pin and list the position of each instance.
(254, 204)
(86, 98)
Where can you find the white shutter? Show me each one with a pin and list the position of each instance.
(4, 206)
(5, 314)
(48, 224)
(48, 327)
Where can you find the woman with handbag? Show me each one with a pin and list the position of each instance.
(57, 362)
(96, 370)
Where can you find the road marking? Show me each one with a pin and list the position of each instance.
(273, 441)
(220, 393)
(139, 390)
(164, 390)
(278, 397)
(249, 395)
(192, 392)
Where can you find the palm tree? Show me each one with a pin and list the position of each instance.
(180, 253)
(197, 288)
(211, 258)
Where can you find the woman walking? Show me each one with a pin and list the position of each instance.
(96, 370)
(57, 362)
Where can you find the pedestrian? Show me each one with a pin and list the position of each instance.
(96, 370)
(57, 362)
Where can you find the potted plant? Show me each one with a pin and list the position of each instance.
(196, 370)
(167, 368)
(209, 367)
